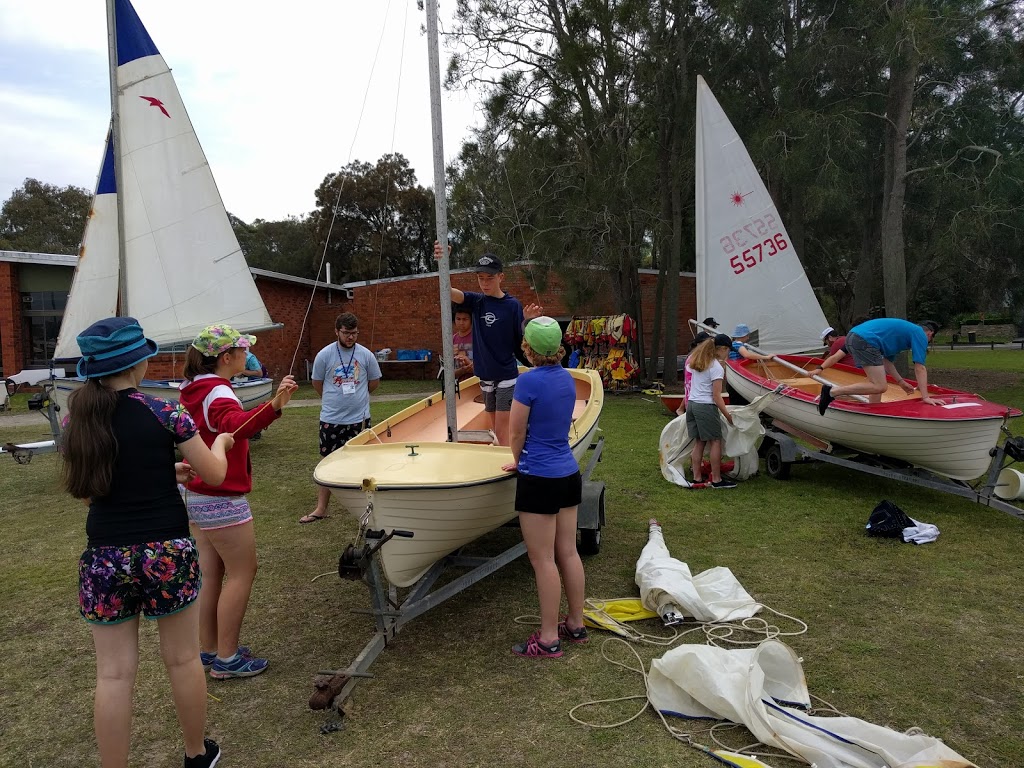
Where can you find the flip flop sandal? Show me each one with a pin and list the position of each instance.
(307, 519)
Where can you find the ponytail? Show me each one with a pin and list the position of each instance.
(88, 444)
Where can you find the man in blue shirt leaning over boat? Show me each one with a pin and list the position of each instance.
(874, 345)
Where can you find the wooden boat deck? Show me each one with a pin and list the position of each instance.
(840, 376)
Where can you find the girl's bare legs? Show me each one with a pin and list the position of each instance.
(539, 533)
(117, 662)
(209, 596)
(569, 565)
(716, 461)
(179, 648)
(236, 547)
(697, 459)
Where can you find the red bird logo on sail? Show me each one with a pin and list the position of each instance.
(737, 198)
(155, 102)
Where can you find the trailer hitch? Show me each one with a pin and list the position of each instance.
(355, 560)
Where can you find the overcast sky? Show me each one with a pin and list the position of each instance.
(274, 91)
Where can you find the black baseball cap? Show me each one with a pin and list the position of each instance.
(489, 263)
(710, 322)
(721, 340)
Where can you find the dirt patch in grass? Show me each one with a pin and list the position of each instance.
(967, 380)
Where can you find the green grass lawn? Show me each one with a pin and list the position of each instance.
(899, 635)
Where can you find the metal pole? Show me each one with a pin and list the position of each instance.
(441, 215)
(115, 138)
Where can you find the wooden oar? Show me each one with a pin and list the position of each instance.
(786, 363)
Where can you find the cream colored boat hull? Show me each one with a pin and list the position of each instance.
(251, 393)
(446, 494)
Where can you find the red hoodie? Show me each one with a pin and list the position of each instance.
(215, 408)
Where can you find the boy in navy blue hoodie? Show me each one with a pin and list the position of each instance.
(498, 321)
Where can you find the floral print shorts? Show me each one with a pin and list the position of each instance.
(156, 579)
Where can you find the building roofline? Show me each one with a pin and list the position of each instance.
(462, 270)
(47, 259)
(266, 273)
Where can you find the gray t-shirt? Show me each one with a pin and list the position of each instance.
(346, 374)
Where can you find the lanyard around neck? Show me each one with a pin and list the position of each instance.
(346, 370)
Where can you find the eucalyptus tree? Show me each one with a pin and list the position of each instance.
(561, 90)
(375, 219)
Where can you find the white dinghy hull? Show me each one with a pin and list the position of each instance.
(403, 475)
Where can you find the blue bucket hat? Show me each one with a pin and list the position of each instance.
(741, 330)
(113, 345)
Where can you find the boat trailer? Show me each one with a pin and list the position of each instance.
(334, 687)
(780, 450)
(42, 401)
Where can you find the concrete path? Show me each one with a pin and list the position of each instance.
(36, 419)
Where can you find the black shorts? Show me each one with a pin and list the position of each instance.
(548, 495)
(333, 436)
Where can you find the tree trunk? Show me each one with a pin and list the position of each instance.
(902, 75)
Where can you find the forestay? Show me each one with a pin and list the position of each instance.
(747, 268)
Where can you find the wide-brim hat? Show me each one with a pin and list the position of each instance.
(741, 330)
(488, 264)
(544, 335)
(113, 345)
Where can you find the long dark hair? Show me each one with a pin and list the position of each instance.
(88, 443)
(196, 363)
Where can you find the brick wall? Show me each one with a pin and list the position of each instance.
(401, 313)
(286, 303)
(404, 313)
(11, 356)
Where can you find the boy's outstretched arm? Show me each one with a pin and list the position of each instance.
(457, 296)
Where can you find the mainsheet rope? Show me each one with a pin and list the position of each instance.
(337, 200)
(341, 186)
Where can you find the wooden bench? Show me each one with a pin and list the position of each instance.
(407, 369)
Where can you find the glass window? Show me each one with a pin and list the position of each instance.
(42, 312)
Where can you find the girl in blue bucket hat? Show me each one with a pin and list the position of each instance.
(118, 446)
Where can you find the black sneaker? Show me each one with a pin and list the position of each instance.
(572, 635)
(825, 399)
(724, 483)
(208, 759)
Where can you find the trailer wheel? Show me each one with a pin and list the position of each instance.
(774, 465)
(589, 542)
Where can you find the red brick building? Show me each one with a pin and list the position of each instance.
(400, 313)
(33, 293)
(404, 312)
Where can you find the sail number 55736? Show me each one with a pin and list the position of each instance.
(755, 254)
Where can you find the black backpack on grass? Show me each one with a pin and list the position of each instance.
(887, 520)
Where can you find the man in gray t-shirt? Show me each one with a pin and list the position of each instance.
(344, 375)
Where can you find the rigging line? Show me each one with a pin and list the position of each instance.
(387, 183)
(519, 226)
(341, 187)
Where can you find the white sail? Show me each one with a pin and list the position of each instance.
(94, 287)
(184, 267)
(747, 268)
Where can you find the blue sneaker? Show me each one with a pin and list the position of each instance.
(207, 658)
(240, 666)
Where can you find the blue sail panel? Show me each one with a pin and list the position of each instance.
(133, 41)
(107, 183)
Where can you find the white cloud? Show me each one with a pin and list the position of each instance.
(274, 92)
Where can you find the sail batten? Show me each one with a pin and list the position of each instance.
(748, 270)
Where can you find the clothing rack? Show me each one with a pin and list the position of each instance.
(605, 343)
